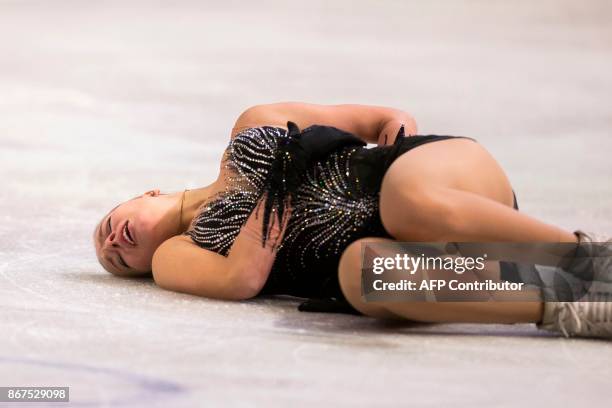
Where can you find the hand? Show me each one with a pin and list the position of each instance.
(254, 226)
(390, 130)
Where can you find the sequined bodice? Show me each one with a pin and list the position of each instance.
(329, 211)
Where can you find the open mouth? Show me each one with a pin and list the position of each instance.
(127, 235)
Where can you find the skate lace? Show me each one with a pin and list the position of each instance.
(585, 317)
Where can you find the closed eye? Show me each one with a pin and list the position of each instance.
(121, 260)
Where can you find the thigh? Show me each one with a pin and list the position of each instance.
(461, 164)
(349, 275)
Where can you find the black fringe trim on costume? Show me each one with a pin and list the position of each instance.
(286, 173)
(293, 156)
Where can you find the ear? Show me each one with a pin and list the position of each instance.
(152, 193)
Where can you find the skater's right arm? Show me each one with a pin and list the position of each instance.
(182, 266)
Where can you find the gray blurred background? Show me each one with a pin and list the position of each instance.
(102, 100)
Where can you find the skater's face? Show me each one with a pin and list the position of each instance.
(126, 238)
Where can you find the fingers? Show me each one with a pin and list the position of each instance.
(253, 228)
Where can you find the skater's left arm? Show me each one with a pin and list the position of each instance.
(372, 124)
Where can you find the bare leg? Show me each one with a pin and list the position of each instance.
(449, 191)
(455, 191)
(477, 312)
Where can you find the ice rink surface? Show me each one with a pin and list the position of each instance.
(100, 101)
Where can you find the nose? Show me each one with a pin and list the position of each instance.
(112, 241)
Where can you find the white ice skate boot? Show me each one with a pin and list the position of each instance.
(589, 318)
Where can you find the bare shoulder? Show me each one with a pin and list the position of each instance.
(258, 116)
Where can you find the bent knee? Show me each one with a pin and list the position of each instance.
(349, 270)
(349, 276)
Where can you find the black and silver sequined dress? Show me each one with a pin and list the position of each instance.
(334, 183)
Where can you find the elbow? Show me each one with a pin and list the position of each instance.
(244, 284)
(410, 125)
(243, 290)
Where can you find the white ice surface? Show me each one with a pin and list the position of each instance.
(103, 100)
